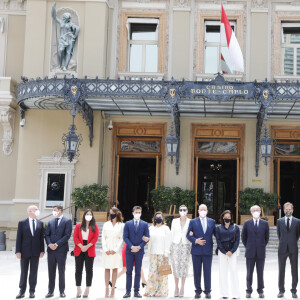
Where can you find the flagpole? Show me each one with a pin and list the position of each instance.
(220, 47)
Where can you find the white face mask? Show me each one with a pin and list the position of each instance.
(88, 217)
(182, 213)
(54, 213)
(203, 213)
(37, 213)
(256, 214)
(137, 216)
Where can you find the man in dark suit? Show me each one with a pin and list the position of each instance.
(200, 234)
(288, 230)
(29, 248)
(58, 233)
(255, 237)
(134, 231)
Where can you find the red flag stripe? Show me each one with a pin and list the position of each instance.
(228, 29)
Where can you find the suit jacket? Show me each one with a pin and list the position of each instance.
(92, 238)
(135, 238)
(288, 239)
(196, 227)
(29, 245)
(255, 242)
(60, 236)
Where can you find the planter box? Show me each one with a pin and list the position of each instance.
(247, 217)
(100, 216)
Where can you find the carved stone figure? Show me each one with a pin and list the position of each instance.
(67, 40)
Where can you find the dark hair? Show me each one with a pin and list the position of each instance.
(223, 214)
(135, 208)
(92, 222)
(158, 213)
(118, 213)
(59, 207)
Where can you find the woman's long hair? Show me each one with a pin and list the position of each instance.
(92, 222)
(118, 214)
(223, 214)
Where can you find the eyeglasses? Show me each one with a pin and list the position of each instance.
(182, 209)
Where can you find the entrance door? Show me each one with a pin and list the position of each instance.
(217, 186)
(290, 185)
(137, 178)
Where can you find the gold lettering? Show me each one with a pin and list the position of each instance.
(193, 91)
(246, 92)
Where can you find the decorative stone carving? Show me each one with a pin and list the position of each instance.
(182, 3)
(13, 5)
(2, 24)
(7, 118)
(258, 3)
(64, 38)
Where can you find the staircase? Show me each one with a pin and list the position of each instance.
(271, 247)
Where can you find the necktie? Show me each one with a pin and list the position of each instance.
(136, 225)
(56, 223)
(288, 224)
(203, 225)
(256, 226)
(33, 228)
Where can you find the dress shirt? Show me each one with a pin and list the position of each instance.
(205, 223)
(285, 220)
(160, 240)
(59, 219)
(30, 224)
(226, 236)
(257, 221)
(85, 234)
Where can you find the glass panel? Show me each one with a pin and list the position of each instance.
(212, 34)
(298, 61)
(55, 189)
(143, 32)
(288, 61)
(140, 146)
(208, 194)
(151, 58)
(135, 61)
(291, 35)
(221, 196)
(287, 149)
(217, 147)
(211, 60)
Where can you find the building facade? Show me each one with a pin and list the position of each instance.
(139, 46)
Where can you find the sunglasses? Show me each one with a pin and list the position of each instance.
(182, 209)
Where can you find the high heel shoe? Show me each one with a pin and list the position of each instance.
(144, 284)
(107, 292)
(110, 283)
(78, 295)
(85, 296)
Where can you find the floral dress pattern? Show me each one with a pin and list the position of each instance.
(181, 259)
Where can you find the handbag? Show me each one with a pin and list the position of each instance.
(165, 270)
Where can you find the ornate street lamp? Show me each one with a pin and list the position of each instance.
(172, 144)
(266, 146)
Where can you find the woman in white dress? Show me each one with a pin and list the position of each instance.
(180, 250)
(112, 240)
(159, 250)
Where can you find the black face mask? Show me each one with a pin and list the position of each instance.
(112, 216)
(158, 220)
(227, 220)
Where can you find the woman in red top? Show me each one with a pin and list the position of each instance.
(85, 237)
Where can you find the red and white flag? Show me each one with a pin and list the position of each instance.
(224, 67)
(228, 38)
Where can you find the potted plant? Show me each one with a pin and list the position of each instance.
(92, 196)
(257, 196)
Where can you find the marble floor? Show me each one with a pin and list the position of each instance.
(10, 272)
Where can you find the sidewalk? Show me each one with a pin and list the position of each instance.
(10, 272)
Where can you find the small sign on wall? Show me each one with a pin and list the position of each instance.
(256, 180)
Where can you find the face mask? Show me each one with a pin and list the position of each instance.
(54, 213)
(137, 216)
(288, 214)
(227, 220)
(182, 213)
(256, 214)
(112, 216)
(37, 213)
(88, 217)
(203, 213)
(158, 220)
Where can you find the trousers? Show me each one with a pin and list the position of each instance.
(80, 260)
(34, 264)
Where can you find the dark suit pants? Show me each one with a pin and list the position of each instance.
(56, 259)
(260, 264)
(84, 258)
(131, 259)
(294, 270)
(198, 262)
(34, 264)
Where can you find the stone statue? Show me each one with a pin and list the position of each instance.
(67, 40)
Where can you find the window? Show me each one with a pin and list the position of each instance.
(55, 194)
(142, 44)
(290, 49)
(213, 47)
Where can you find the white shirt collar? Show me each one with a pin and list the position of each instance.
(254, 220)
(30, 219)
(285, 219)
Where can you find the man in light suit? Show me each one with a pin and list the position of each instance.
(200, 232)
(255, 237)
(29, 249)
(134, 231)
(58, 233)
(288, 230)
